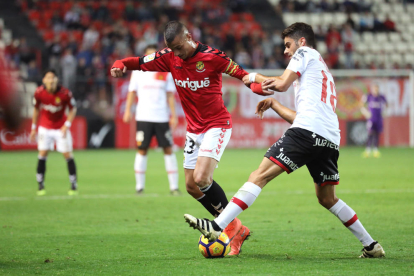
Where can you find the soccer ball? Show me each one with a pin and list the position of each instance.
(215, 249)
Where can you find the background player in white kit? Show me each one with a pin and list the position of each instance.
(313, 139)
(154, 90)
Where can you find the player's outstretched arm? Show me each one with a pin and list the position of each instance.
(284, 112)
(282, 83)
(156, 62)
(35, 118)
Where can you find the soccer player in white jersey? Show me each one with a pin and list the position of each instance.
(155, 92)
(313, 139)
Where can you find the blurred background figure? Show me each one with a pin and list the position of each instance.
(376, 104)
(155, 92)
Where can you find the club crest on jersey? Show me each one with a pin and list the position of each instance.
(57, 100)
(200, 67)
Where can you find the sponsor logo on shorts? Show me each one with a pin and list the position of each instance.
(287, 161)
(325, 143)
(330, 177)
(206, 150)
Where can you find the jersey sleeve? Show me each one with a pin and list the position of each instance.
(71, 100)
(156, 62)
(133, 83)
(170, 84)
(36, 99)
(299, 62)
(226, 65)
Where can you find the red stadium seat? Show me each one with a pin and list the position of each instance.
(48, 35)
(34, 15)
(55, 5)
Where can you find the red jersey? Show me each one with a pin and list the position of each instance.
(198, 80)
(52, 106)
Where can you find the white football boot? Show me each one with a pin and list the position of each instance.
(204, 226)
(374, 250)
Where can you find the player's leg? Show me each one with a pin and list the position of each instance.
(64, 145)
(370, 139)
(195, 192)
(44, 143)
(327, 198)
(165, 140)
(377, 132)
(324, 171)
(41, 170)
(143, 138)
(243, 199)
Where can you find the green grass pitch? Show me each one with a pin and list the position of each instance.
(108, 230)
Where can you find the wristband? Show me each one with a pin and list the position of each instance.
(257, 88)
(252, 77)
(68, 124)
(34, 126)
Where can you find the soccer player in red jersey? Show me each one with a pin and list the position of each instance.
(196, 69)
(50, 102)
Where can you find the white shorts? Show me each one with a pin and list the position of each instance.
(210, 144)
(47, 138)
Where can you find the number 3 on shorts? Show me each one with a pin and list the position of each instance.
(189, 145)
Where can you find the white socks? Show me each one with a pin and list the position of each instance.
(349, 218)
(243, 199)
(172, 170)
(140, 167)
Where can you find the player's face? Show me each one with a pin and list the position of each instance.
(291, 46)
(50, 81)
(375, 90)
(182, 46)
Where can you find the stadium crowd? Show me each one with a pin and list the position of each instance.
(84, 38)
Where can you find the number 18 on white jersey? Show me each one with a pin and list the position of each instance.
(315, 95)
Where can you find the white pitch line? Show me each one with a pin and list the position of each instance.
(121, 196)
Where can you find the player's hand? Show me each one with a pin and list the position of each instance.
(117, 72)
(32, 135)
(64, 129)
(246, 80)
(173, 122)
(127, 117)
(263, 106)
(269, 85)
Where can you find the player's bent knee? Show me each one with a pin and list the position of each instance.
(327, 202)
(202, 179)
(193, 190)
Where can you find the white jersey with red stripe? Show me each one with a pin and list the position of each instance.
(315, 95)
(151, 89)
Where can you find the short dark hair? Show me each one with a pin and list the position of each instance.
(50, 71)
(151, 46)
(172, 29)
(298, 30)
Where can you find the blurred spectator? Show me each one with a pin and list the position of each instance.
(177, 4)
(277, 38)
(129, 12)
(331, 35)
(86, 54)
(333, 54)
(90, 37)
(33, 73)
(102, 13)
(68, 65)
(320, 34)
(72, 18)
(72, 43)
(389, 24)
(54, 51)
(272, 64)
(267, 45)
(57, 23)
(242, 57)
(348, 43)
(350, 21)
(366, 22)
(378, 25)
(144, 13)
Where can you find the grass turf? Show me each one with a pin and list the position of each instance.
(108, 230)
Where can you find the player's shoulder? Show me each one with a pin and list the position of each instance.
(213, 52)
(39, 90)
(306, 52)
(63, 91)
